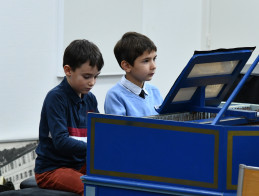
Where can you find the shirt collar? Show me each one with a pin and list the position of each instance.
(132, 87)
(71, 93)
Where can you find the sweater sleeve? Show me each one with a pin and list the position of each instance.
(56, 109)
(114, 104)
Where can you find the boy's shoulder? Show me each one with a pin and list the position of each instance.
(148, 85)
(115, 88)
(151, 87)
(55, 95)
(58, 90)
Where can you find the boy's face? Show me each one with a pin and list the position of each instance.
(143, 69)
(82, 79)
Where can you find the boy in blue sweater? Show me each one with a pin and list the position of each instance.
(132, 96)
(63, 126)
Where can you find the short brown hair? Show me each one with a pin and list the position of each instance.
(79, 52)
(131, 46)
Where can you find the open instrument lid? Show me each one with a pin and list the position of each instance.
(206, 79)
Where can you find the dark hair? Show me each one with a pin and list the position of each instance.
(131, 46)
(79, 52)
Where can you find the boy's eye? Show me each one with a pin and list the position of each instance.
(86, 77)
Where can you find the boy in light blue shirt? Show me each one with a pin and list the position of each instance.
(132, 96)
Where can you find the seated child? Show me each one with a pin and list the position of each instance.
(132, 96)
(61, 152)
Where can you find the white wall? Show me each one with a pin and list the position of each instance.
(30, 42)
(231, 23)
(28, 53)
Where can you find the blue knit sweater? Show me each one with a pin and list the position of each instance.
(121, 101)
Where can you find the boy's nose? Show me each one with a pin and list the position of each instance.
(91, 82)
(153, 65)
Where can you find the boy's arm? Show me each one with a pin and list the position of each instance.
(57, 121)
(114, 105)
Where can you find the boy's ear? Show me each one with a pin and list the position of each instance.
(67, 70)
(126, 66)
